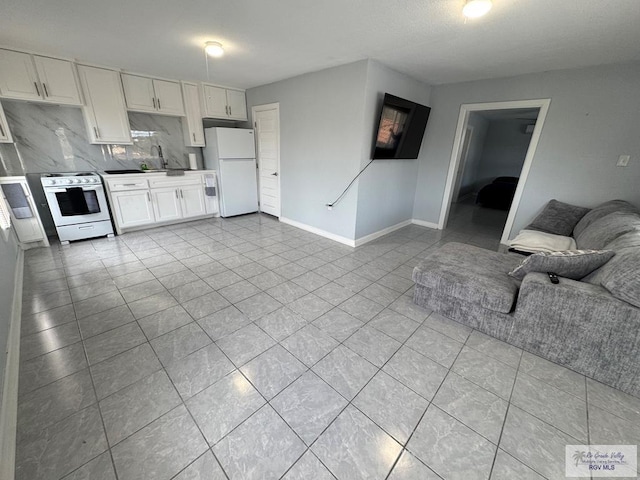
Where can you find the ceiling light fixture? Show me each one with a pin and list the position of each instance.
(476, 8)
(214, 49)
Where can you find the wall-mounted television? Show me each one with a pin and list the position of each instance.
(400, 129)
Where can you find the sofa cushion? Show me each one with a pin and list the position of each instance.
(624, 281)
(574, 264)
(602, 211)
(471, 274)
(606, 229)
(558, 218)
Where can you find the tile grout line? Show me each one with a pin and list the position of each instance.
(307, 322)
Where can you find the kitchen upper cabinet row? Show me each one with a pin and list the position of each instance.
(109, 94)
(37, 78)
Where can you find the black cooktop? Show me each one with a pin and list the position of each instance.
(69, 174)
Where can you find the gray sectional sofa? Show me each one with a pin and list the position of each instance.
(590, 325)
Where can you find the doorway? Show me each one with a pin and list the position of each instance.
(493, 150)
(266, 122)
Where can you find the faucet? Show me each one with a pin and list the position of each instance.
(164, 163)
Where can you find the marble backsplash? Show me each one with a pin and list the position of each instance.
(50, 138)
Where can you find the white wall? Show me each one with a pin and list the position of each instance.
(386, 190)
(591, 120)
(8, 263)
(327, 124)
(321, 122)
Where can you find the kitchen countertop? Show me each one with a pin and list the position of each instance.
(153, 174)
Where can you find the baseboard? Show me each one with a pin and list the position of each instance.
(381, 233)
(323, 233)
(422, 223)
(9, 407)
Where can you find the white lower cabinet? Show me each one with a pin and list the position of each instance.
(192, 199)
(166, 204)
(157, 199)
(132, 209)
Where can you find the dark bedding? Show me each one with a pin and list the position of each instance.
(498, 194)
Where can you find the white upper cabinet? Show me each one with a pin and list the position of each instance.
(5, 134)
(215, 101)
(192, 122)
(58, 79)
(34, 77)
(138, 91)
(237, 102)
(224, 103)
(151, 95)
(105, 113)
(168, 97)
(18, 76)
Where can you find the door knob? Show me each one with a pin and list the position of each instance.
(275, 174)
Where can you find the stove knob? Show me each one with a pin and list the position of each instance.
(77, 180)
(52, 182)
(85, 180)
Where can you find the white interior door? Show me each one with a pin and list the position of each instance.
(266, 120)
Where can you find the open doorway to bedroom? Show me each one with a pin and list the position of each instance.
(493, 151)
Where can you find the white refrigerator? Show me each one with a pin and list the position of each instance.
(231, 152)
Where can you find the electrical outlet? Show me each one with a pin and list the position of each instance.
(623, 160)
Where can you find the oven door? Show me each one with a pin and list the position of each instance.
(81, 204)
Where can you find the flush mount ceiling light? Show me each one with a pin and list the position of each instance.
(476, 8)
(214, 49)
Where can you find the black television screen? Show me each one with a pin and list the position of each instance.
(400, 129)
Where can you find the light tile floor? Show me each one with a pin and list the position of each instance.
(245, 349)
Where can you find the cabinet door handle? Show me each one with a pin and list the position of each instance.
(44, 87)
(149, 196)
(230, 112)
(194, 137)
(154, 102)
(177, 194)
(37, 89)
(96, 131)
(181, 194)
(2, 131)
(159, 107)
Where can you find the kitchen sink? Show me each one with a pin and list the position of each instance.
(168, 171)
(122, 172)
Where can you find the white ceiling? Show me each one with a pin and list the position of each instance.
(268, 41)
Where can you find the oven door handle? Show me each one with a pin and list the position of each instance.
(84, 188)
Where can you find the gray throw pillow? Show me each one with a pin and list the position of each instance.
(574, 264)
(558, 218)
(623, 282)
